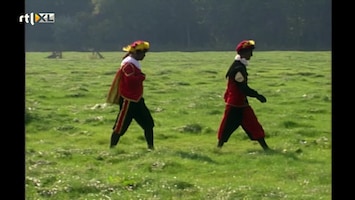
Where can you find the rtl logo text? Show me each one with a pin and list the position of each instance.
(32, 18)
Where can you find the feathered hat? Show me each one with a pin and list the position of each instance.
(245, 45)
(138, 45)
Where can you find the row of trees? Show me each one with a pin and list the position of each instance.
(188, 25)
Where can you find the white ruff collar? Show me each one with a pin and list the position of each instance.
(242, 60)
(131, 60)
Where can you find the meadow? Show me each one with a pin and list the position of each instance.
(68, 127)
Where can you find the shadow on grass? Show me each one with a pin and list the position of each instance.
(292, 155)
(287, 154)
(121, 155)
(194, 156)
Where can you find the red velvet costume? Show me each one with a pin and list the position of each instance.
(237, 111)
(127, 91)
(131, 101)
(131, 85)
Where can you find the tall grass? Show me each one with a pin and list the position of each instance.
(68, 127)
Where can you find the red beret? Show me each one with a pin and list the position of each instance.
(245, 44)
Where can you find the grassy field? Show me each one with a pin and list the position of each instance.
(68, 127)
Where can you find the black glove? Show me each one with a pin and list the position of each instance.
(261, 98)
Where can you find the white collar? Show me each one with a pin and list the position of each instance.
(242, 60)
(131, 60)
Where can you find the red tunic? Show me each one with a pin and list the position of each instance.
(233, 95)
(131, 83)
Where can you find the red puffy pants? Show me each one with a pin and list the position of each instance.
(234, 117)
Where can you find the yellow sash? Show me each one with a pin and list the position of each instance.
(113, 96)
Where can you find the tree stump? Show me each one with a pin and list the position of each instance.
(56, 54)
(96, 53)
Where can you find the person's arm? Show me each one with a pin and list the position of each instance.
(130, 72)
(241, 78)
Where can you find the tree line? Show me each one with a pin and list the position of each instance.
(181, 25)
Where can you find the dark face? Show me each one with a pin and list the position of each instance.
(139, 55)
(246, 54)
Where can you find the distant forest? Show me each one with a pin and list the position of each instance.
(180, 25)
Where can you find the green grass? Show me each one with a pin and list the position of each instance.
(68, 128)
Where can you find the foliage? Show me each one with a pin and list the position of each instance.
(189, 25)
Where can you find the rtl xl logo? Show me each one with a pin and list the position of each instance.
(32, 18)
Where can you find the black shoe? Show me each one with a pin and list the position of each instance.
(220, 144)
(151, 147)
(267, 149)
(114, 139)
(263, 144)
